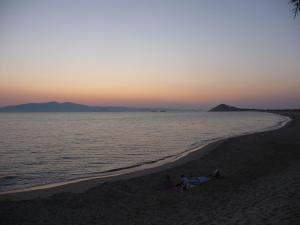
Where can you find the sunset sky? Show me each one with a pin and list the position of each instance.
(172, 53)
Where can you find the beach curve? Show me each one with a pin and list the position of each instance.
(83, 184)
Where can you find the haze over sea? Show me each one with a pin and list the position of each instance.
(46, 148)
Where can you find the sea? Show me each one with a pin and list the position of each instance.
(38, 149)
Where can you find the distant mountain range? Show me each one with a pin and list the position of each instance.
(74, 107)
(71, 107)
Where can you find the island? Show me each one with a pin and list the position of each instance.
(228, 108)
(68, 107)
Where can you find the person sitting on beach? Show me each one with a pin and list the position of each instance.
(185, 182)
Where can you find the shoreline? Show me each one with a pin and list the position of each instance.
(84, 184)
(260, 185)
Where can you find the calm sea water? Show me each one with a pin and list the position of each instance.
(43, 148)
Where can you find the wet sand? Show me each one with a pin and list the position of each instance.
(261, 185)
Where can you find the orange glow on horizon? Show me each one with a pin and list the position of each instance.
(124, 94)
(150, 87)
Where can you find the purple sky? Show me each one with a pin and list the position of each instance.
(150, 53)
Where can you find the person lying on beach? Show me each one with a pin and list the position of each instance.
(187, 183)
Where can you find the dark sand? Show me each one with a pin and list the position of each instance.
(261, 185)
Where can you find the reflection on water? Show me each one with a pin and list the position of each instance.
(42, 148)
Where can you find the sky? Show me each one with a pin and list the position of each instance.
(154, 53)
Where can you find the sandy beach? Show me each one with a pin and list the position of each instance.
(260, 186)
